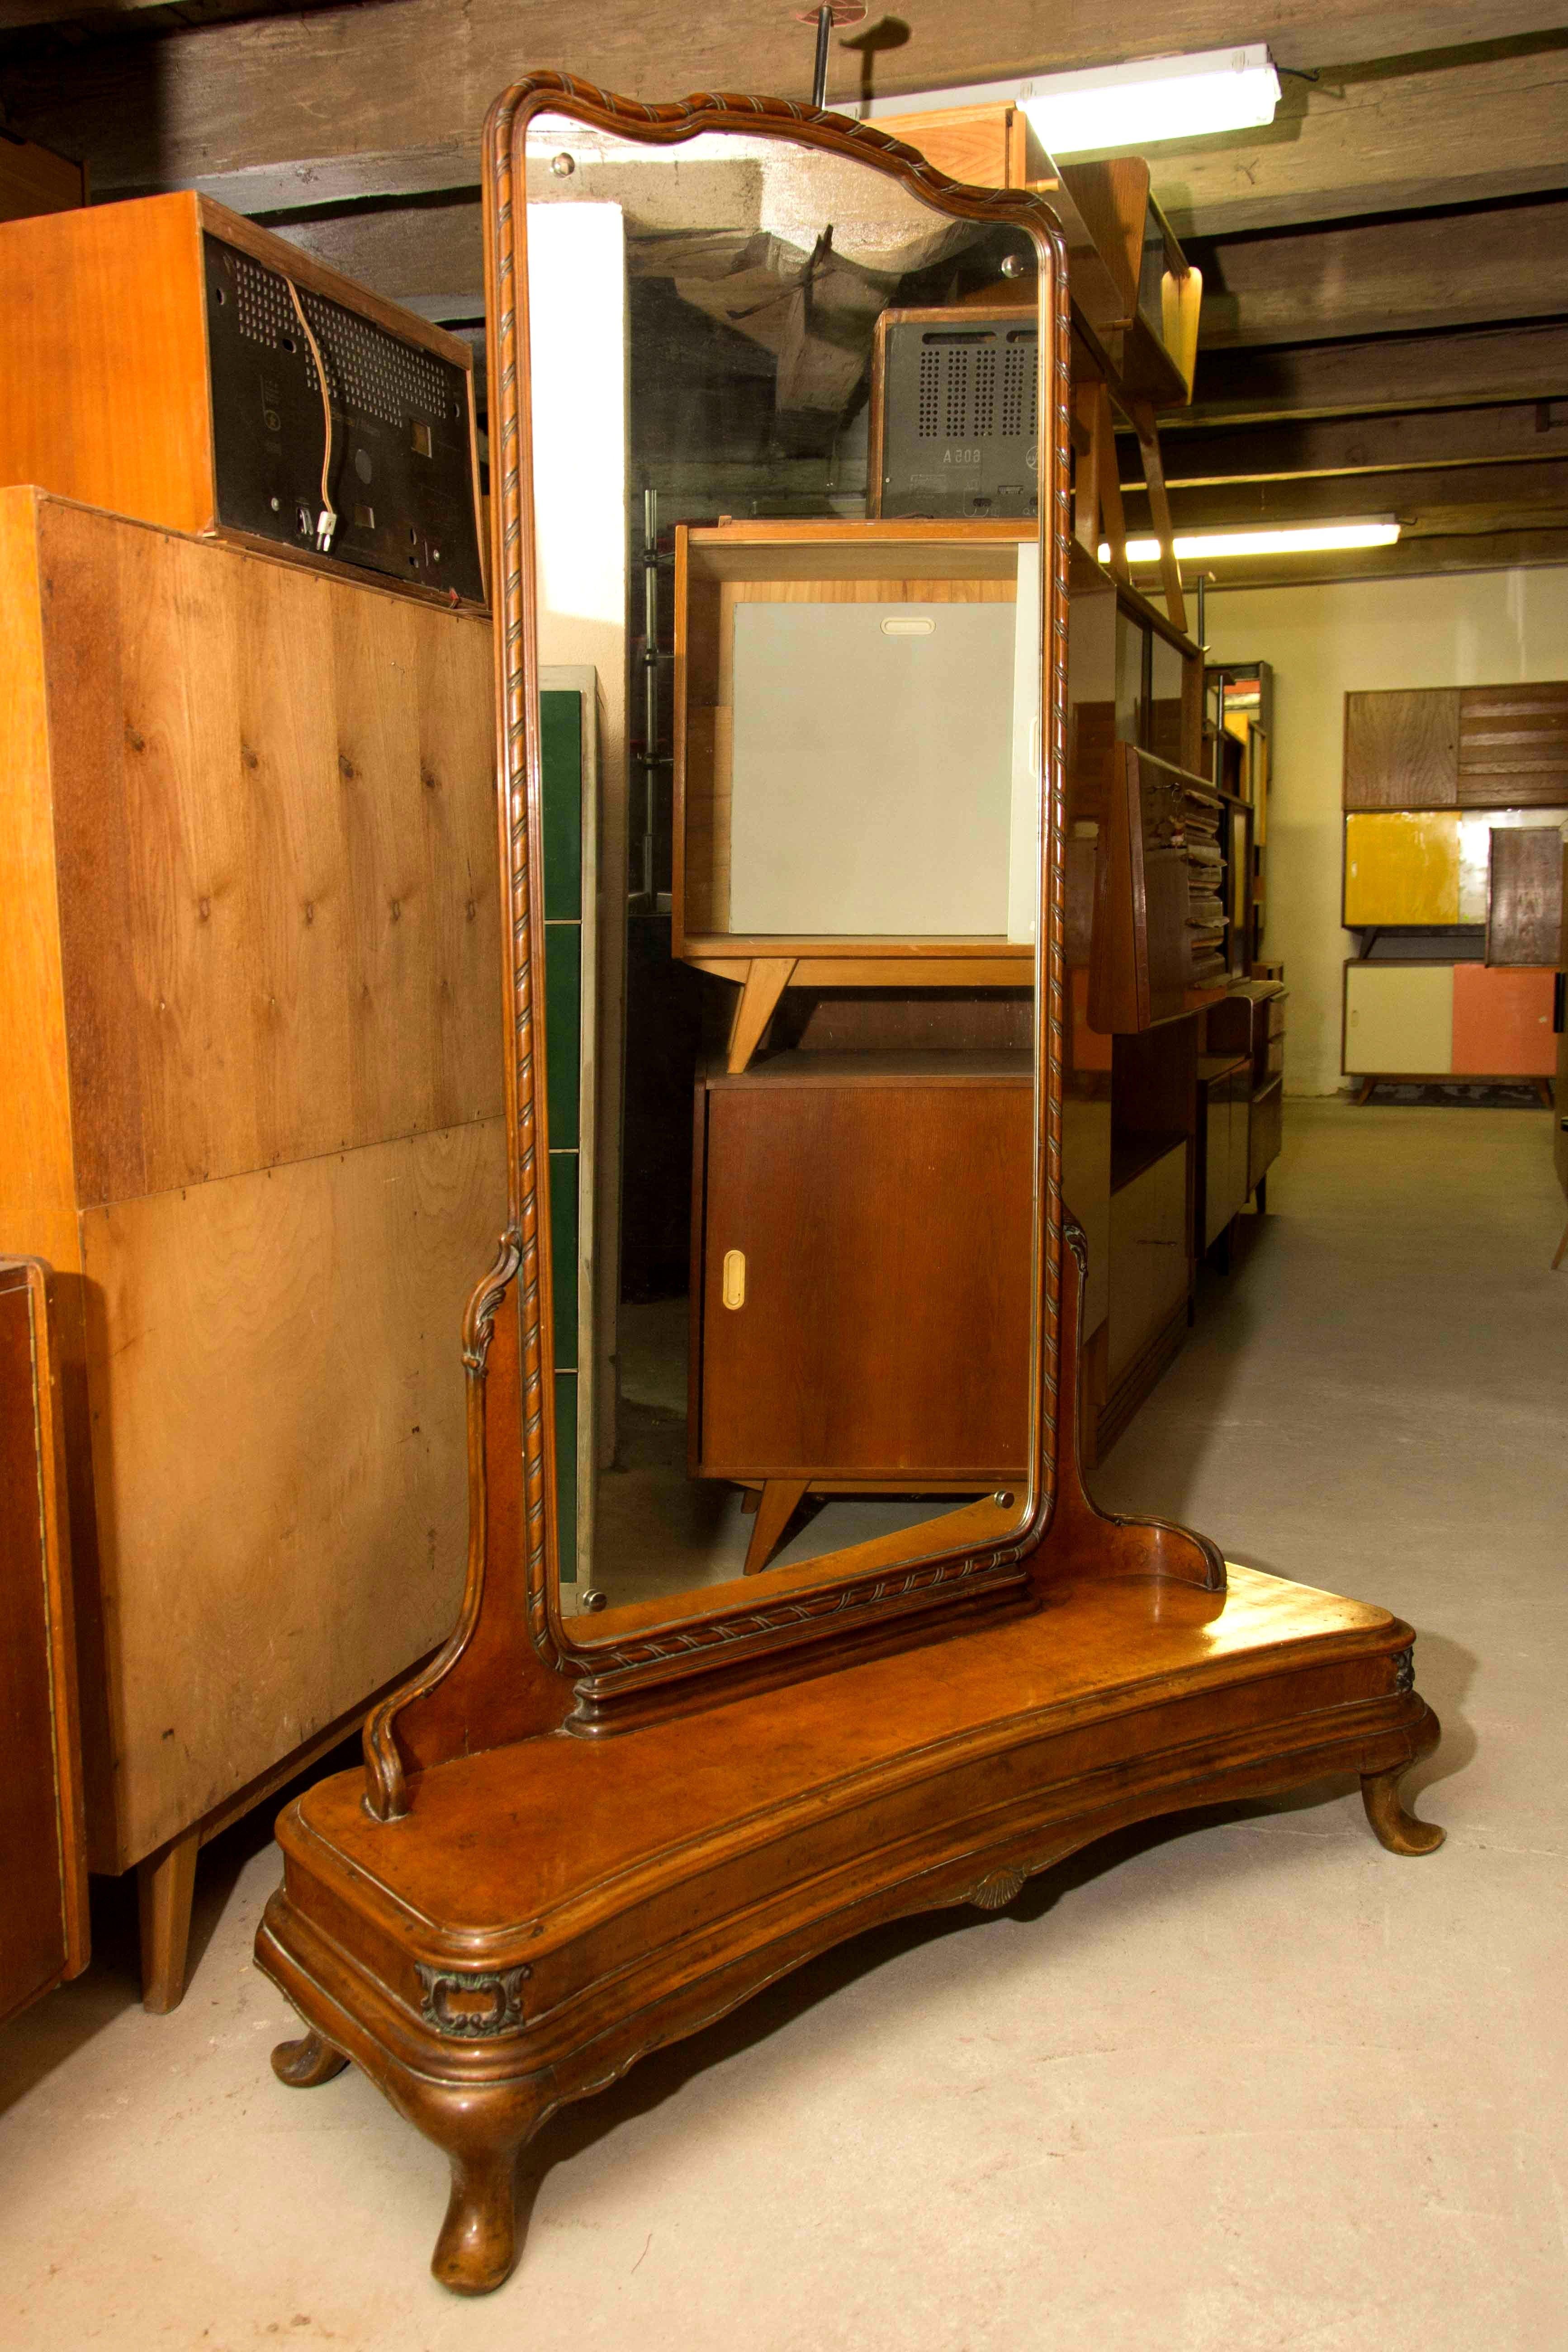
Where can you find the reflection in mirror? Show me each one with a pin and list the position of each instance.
(787, 573)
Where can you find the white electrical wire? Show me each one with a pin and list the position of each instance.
(327, 520)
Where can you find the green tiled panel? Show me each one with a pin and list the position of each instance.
(563, 1030)
(563, 1167)
(560, 767)
(566, 1472)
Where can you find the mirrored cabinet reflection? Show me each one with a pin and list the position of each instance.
(793, 1068)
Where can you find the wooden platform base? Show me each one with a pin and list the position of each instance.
(546, 1912)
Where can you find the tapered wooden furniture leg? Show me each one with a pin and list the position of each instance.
(477, 2245)
(776, 1507)
(1544, 1088)
(165, 1882)
(305, 2063)
(1400, 1832)
(1562, 1250)
(764, 984)
(1367, 1086)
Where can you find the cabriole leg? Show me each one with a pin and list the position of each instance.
(303, 2064)
(1399, 1831)
(478, 2244)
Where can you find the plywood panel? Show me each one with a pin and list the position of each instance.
(277, 1400)
(1502, 1022)
(37, 1210)
(1401, 750)
(1399, 1018)
(276, 838)
(1524, 910)
(1402, 869)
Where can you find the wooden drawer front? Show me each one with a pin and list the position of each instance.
(1149, 1262)
(1274, 1057)
(886, 1232)
(1401, 750)
(1399, 1019)
(1514, 746)
(1402, 869)
(1502, 1022)
(1276, 1016)
(1265, 1134)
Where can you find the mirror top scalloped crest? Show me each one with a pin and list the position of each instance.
(717, 889)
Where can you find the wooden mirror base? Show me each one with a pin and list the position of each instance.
(549, 1910)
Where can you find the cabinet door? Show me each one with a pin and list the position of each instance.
(1402, 750)
(43, 1869)
(1503, 1023)
(1514, 746)
(1401, 869)
(1399, 1020)
(1525, 895)
(877, 1326)
(1150, 1267)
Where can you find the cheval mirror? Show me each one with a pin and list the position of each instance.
(786, 1609)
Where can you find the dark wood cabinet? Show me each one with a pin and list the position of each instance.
(1525, 895)
(859, 1217)
(1401, 750)
(1514, 746)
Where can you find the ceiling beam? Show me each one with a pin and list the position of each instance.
(1386, 277)
(336, 82)
(1440, 499)
(409, 251)
(1300, 450)
(1454, 129)
(1462, 551)
(1359, 378)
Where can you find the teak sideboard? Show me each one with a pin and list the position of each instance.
(248, 985)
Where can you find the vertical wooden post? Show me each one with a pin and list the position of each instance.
(1148, 434)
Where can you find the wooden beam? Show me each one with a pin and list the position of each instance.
(1509, 261)
(413, 252)
(339, 83)
(1148, 434)
(1417, 372)
(1302, 448)
(1457, 127)
(1464, 551)
(1450, 498)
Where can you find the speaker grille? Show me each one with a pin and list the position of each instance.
(369, 372)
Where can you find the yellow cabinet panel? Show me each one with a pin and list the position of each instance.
(1403, 867)
(1399, 1019)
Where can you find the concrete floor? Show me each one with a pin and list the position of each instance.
(1240, 2080)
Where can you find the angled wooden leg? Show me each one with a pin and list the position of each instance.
(165, 1882)
(1544, 1088)
(1400, 1832)
(1367, 1086)
(304, 2063)
(765, 981)
(1562, 1250)
(775, 1508)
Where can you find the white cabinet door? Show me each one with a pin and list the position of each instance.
(1399, 1018)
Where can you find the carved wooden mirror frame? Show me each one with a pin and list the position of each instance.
(622, 1676)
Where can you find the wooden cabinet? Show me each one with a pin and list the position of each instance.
(1525, 895)
(1447, 1020)
(247, 982)
(1401, 750)
(1150, 1265)
(1401, 869)
(42, 1853)
(1514, 746)
(858, 1216)
(1220, 1186)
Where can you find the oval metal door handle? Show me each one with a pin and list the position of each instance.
(734, 1278)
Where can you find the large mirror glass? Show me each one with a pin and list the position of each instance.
(787, 550)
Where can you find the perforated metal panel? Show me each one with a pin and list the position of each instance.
(400, 471)
(961, 412)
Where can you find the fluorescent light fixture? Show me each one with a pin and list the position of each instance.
(1153, 99)
(1293, 539)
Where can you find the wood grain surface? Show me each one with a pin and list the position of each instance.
(277, 858)
(279, 1457)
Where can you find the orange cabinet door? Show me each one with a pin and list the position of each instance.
(1502, 1022)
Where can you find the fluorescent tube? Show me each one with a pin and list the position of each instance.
(1291, 539)
(1153, 99)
